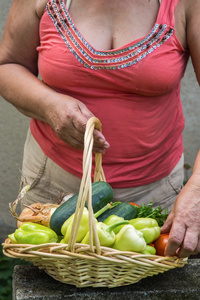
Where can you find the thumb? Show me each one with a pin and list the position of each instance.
(168, 223)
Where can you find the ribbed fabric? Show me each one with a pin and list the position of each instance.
(134, 90)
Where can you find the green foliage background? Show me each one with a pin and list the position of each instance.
(6, 269)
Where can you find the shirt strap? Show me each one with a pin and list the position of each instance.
(68, 3)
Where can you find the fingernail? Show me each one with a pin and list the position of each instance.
(101, 141)
(106, 145)
(101, 151)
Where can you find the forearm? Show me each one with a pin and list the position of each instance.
(25, 91)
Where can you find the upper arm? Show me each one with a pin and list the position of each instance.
(193, 33)
(21, 35)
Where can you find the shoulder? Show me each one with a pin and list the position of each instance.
(22, 28)
(36, 7)
(40, 7)
(192, 29)
(188, 7)
(192, 13)
(192, 7)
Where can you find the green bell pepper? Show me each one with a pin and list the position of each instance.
(12, 238)
(112, 220)
(105, 233)
(129, 239)
(149, 250)
(32, 233)
(148, 226)
(83, 228)
(84, 224)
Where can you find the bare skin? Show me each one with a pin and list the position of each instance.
(116, 23)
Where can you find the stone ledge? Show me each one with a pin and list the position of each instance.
(30, 283)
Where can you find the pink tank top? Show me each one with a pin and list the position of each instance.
(134, 91)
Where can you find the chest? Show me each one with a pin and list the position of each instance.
(151, 66)
(110, 25)
(107, 25)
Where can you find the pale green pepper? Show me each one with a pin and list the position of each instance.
(129, 239)
(148, 226)
(112, 220)
(84, 224)
(83, 228)
(32, 233)
(149, 250)
(105, 233)
(12, 238)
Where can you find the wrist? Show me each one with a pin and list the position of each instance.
(194, 180)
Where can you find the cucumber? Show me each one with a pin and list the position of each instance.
(124, 210)
(102, 194)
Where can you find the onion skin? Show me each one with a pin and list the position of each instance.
(37, 213)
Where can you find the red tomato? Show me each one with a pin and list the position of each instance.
(161, 243)
(134, 204)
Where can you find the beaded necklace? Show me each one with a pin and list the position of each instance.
(87, 55)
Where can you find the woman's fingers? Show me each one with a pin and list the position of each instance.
(100, 143)
(190, 243)
(183, 223)
(176, 238)
(168, 223)
(68, 118)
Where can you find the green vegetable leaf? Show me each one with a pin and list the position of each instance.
(148, 211)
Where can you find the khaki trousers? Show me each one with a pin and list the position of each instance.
(49, 182)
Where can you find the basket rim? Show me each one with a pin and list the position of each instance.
(58, 250)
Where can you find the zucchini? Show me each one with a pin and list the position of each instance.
(102, 194)
(124, 210)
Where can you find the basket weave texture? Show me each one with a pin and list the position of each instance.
(91, 265)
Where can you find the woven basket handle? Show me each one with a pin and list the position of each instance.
(85, 191)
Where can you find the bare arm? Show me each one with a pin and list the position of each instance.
(183, 222)
(20, 86)
(184, 219)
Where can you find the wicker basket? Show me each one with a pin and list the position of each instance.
(88, 265)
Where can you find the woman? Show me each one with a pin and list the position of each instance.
(121, 61)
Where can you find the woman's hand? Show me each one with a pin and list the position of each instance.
(68, 117)
(183, 222)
